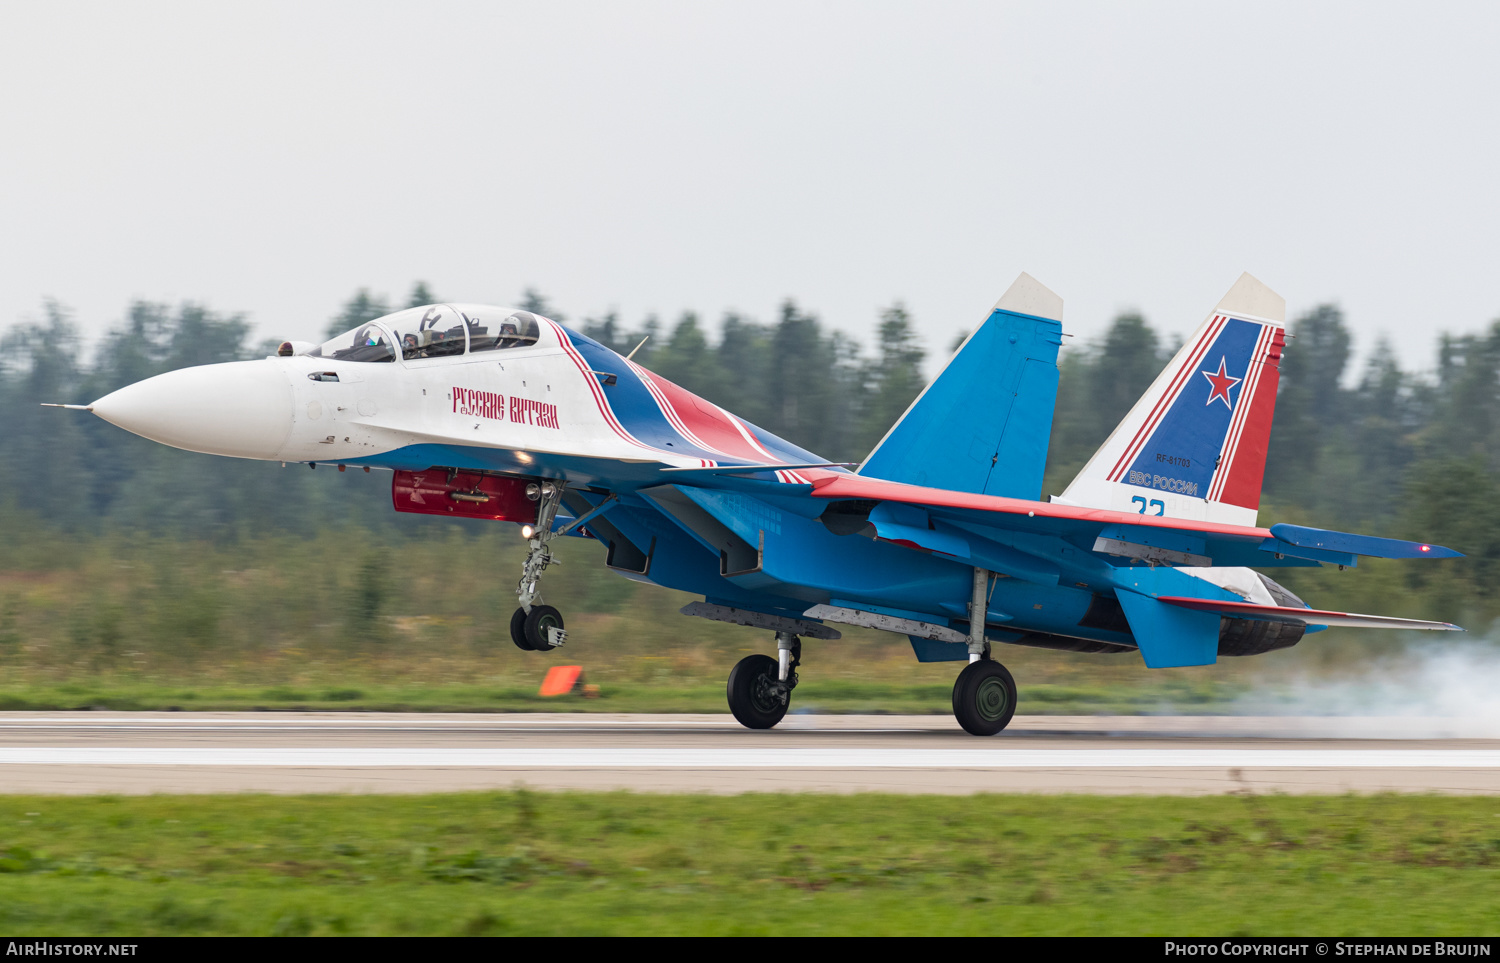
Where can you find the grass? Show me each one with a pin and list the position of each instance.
(524, 863)
(917, 697)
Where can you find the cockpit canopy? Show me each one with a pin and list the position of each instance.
(365, 343)
(434, 331)
(496, 328)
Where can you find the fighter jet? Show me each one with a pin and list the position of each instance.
(939, 535)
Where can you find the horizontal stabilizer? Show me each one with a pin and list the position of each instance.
(1346, 543)
(1283, 613)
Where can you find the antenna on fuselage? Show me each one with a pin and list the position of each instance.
(637, 347)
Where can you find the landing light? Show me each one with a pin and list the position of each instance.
(527, 531)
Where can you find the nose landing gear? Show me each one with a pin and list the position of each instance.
(538, 628)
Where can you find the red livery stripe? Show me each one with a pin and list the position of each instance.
(1242, 481)
(827, 484)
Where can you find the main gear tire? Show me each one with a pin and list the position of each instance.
(538, 621)
(984, 697)
(518, 630)
(752, 692)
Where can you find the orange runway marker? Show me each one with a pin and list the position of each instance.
(561, 679)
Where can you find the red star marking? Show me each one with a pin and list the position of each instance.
(1221, 384)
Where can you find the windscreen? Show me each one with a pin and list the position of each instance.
(368, 342)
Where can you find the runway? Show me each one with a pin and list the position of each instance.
(105, 752)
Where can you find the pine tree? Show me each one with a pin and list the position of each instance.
(420, 294)
(893, 380)
(356, 311)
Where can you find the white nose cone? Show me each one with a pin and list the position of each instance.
(242, 409)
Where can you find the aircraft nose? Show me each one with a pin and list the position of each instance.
(241, 408)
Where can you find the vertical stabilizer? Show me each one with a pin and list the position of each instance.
(1194, 446)
(983, 424)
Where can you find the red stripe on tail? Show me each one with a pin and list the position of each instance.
(1248, 468)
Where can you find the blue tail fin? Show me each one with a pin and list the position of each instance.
(982, 425)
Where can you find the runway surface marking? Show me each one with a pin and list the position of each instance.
(747, 757)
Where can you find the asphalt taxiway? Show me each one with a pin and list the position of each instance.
(286, 752)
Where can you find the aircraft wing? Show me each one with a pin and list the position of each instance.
(1162, 539)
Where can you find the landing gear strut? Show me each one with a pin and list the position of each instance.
(984, 695)
(538, 628)
(760, 687)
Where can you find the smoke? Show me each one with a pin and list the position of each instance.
(1428, 690)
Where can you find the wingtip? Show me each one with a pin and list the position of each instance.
(1027, 295)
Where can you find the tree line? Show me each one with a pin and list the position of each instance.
(1385, 449)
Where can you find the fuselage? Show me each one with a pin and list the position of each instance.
(488, 389)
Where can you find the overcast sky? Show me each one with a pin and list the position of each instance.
(651, 157)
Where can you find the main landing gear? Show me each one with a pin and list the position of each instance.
(760, 687)
(538, 628)
(984, 694)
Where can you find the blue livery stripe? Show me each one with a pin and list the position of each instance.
(1183, 451)
(639, 413)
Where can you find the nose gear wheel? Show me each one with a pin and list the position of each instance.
(543, 628)
(518, 630)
